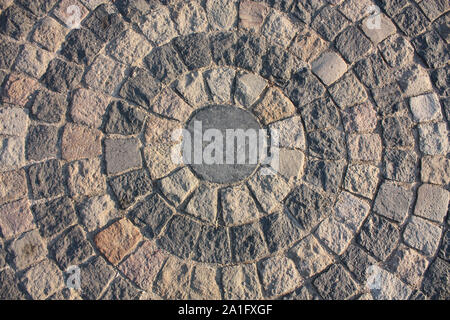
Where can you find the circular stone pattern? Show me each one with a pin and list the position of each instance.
(220, 122)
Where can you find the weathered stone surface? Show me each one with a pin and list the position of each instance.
(273, 107)
(329, 67)
(120, 289)
(249, 49)
(270, 190)
(193, 89)
(121, 118)
(307, 45)
(436, 282)
(16, 22)
(241, 282)
(308, 206)
(13, 122)
(311, 257)
(129, 186)
(278, 29)
(329, 22)
(432, 202)
(351, 210)
(223, 48)
(335, 234)
(280, 231)
(80, 142)
(143, 265)
(291, 133)
(96, 212)
(174, 279)
(105, 21)
(49, 34)
(81, 46)
(278, 65)
(327, 144)
(374, 71)
(88, 107)
(248, 88)
(9, 52)
(170, 105)
(360, 118)
(379, 237)
(441, 80)
(222, 14)
(62, 76)
(203, 204)
(203, 283)
(190, 17)
(118, 240)
(336, 284)
(220, 82)
(397, 132)
(238, 206)
(48, 106)
(362, 179)
(27, 249)
(122, 155)
(15, 218)
(33, 61)
(213, 246)
(435, 170)
(387, 100)
(400, 165)
(279, 276)
(433, 138)
(411, 21)
(422, 235)
(432, 49)
(95, 276)
(290, 165)
(158, 160)
(378, 34)
(129, 47)
(42, 142)
(352, 44)
(179, 185)
(63, 12)
(247, 243)
(444, 251)
(414, 81)
(158, 26)
(105, 74)
(365, 147)
(46, 179)
(85, 178)
(383, 285)
(393, 201)
(54, 216)
(43, 280)
(408, 265)
(140, 87)
(348, 91)
(194, 50)
(358, 262)
(304, 88)
(165, 63)
(18, 89)
(13, 186)
(10, 289)
(397, 51)
(252, 14)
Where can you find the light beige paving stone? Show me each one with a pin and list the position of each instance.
(393, 201)
(381, 32)
(408, 265)
(80, 142)
(241, 282)
(432, 202)
(43, 280)
(249, 87)
(329, 67)
(383, 285)
(190, 17)
(129, 47)
(365, 147)
(291, 164)
(414, 81)
(291, 133)
(105, 74)
(433, 138)
(170, 105)
(192, 88)
(360, 118)
(426, 107)
(158, 26)
(203, 283)
(174, 280)
(12, 150)
(203, 204)
(28, 249)
(13, 122)
(220, 82)
(435, 170)
(97, 211)
(85, 178)
(355, 10)
(63, 12)
(252, 14)
(362, 179)
(273, 107)
(88, 107)
(49, 34)
(307, 45)
(278, 29)
(13, 185)
(238, 206)
(335, 234)
(311, 257)
(422, 235)
(179, 185)
(351, 210)
(33, 61)
(222, 14)
(160, 131)
(18, 89)
(159, 161)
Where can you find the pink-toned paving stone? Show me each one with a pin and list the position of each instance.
(88, 107)
(15, 218)
(18, 89)
(13, 185)
(79, 142)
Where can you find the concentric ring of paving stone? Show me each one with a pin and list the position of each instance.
(356, 189)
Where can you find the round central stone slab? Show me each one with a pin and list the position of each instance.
(224, 143)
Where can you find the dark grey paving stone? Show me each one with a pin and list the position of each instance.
(223, 46)
(71, 248)
(326, 175)
(9, 286)
(444, 251)
(121, 118)
(194, 50)
(308, 206)
(388, 100)
(304, 88)
(432, 49)
(8, 52)
(180, 236)
(400, 165)
(131, 185)
(81, 46)
(411, 21)
(122, 155)
(48, 106)
(46, 179)
(277, 65)
(140, 88)
(328, 144)
(352, 44)
(213, 246)
(54, 216)
(133, 10)
(441, 80)
(397, 132)
(305, 293)
(95, 276)
(37, 7)
(154, 213)
(373, 71)
(16, 22)
(42, 142)
(121, 289)
(436, 283)
(165, 63)
(320, 114)
(329, 22)
(335, 284)
(62, 76)
(379, 237)
(105, 22)
(249, 50)
(247, 243)
(392, 7)
(358, 262)
(280, 231)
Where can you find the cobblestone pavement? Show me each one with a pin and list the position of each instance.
(357, 210)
